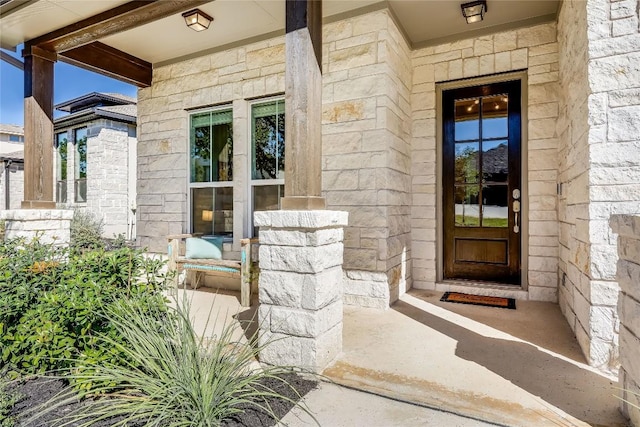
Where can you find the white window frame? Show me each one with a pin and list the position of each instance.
(251, 183)
(211, 184)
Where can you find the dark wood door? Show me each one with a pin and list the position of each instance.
(481, 182)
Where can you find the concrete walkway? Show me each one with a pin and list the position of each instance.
(424, 362)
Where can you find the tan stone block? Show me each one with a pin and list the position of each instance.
(503, 42)
(471, 67)
(502, 62)
(487, 65)
(538, 35)
(351, 57)
(264, 57)
(483, 45)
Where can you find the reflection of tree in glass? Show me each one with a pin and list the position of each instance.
(63, 153)
(82, 157)
(269, 146)
(467, 171)
(201, 150)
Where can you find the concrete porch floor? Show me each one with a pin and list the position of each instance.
(518, 367)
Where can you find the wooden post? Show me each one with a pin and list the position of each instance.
(38, 128)
(303, 106)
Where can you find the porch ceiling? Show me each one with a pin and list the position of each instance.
(424, 22)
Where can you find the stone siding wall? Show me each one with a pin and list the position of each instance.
(535, 50)
(108, 175)
(110, 187)
(366, 152)
(16, 185)
(366, 125)
(600, 167)
(628, 275)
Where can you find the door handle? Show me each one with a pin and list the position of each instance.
(516, 210)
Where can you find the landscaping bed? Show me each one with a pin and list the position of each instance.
(37, 391)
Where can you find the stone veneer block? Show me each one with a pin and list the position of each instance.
(628, 229)
(49, 226)
(300, 287)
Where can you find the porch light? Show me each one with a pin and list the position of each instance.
(207, 215)
(197, 20)
(474, 11)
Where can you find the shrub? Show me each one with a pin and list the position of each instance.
(8, 399)
(50, 303)
(86, 231)
(174, 378)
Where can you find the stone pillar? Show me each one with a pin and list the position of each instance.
(300, 287)
(38, 128)
(49, 226)
(628, 275)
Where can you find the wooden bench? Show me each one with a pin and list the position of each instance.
(237, 269)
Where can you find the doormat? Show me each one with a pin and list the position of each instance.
(479, 300)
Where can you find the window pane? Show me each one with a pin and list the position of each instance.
(266, 198)
(467, 162)
(495, 201)
(212, 146)
(61, 145)
(467, 125)
(212, 210)
(494, 117)
(467, 206)
(81, 153)
(268, 140)
(61, 172)
(495, 160)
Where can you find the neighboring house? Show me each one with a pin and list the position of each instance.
(12, 164)
(484, 158)
(11, 179)
(11, 138)
(95, 159)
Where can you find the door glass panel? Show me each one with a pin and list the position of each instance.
(467, 119)
(495, 206)
(495, 160)
(466, 205)
(494, 116)
(466, 165)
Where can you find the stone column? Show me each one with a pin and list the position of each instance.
(49, 226)
(300, 287)
(628, 275)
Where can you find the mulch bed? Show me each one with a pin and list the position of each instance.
(36, 391)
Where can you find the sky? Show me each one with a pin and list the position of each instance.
(69, 82)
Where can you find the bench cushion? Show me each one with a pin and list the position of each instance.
(203, 248)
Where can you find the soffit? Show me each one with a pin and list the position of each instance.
(35, 18)
(423, 22)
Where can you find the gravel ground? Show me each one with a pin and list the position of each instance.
(36, 391)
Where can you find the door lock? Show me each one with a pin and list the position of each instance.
(516, 210)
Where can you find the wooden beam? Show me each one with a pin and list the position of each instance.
(11, 60)
(303, 106)
(38, 129)
(122, 18)
(110, 62)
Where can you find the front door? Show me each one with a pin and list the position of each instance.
(481, 182)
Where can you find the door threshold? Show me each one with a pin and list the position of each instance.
(490, 289)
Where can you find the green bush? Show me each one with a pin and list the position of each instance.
(86, 232)
(51, 302)
(174, 377)
(8, 399)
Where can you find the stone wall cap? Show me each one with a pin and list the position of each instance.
(301, 219)
(625, 225)
(36, 214)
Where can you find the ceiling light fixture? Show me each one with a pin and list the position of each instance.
(197, 20)
(474, 11)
